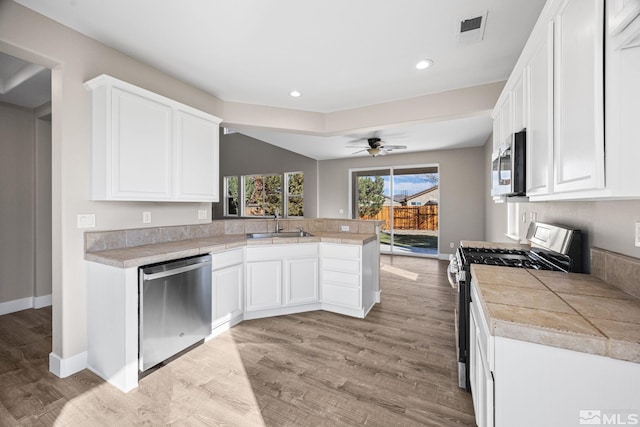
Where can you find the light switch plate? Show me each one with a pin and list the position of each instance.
(344, 228)
(146, 217)
(86, 220)
(638, 233)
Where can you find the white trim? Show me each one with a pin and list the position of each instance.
(16, 305)
(42, 301)
(62, 368)
(25, 304)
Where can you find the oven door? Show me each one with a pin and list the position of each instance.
(458, 278)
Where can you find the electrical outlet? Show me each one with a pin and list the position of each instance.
(451, 245)
(638, 233)
(344, 228)
(202, 214)
(533, 216)
(146, 217)
(86, 220)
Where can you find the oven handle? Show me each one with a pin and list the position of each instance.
(453, 264)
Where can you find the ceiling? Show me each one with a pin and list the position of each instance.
(23, 83)
(339, 54)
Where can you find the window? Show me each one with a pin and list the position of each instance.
(295, 193)
(415, 204)
(231, 195)
(264, 195)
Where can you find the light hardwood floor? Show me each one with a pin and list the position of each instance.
(395, 368)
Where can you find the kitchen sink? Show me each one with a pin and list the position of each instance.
(281, 234)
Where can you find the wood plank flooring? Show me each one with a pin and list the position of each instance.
(395, 368)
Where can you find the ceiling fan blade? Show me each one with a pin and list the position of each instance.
(395, 147)
(357, 146)
(359, 151)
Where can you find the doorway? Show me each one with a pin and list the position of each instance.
(406, 200)
(25, 136)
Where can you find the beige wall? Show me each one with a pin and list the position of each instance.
(244, 155)
(76, 59)
(17, 195)
(608, 224)
(461, 192)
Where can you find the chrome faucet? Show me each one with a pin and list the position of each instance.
(277, 220)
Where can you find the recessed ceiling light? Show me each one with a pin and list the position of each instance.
(425, 63)
(295, 93)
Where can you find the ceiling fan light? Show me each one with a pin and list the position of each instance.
(424, 64)
(295, 93)
(373, 151)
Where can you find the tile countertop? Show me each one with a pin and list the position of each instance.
(567, 310)
(159, 252)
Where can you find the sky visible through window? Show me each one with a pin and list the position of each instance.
(409, 184)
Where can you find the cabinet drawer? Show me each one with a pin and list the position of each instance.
(348, 279)
(344, 265)
(341, 295)
(225, 259)
(341, 251)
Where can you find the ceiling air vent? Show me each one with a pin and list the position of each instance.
(471, 30)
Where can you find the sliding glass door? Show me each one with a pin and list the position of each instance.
(406, 199)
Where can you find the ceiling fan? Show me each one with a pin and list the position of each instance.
(376, 147)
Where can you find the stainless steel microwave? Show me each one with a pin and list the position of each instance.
(508, 167)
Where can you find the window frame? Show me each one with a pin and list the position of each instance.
(283, 209)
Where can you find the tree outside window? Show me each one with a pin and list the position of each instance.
(295, 193)
(231, 195)
(262, 195)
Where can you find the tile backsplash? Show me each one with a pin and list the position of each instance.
(117, 239)
(619, 270)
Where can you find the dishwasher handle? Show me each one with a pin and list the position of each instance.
(177, 270)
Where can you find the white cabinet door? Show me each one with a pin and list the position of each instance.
(227, 293)
(140, 148)
(196, 153)
(150, 148)
(540, 128)
(301, 280)
(578, 108)
(264, 285)
(519, 104)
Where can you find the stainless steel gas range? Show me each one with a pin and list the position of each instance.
(552, 247)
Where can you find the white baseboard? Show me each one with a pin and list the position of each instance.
(25, 304)
(64, 367)
(43, 301)
(16, 305)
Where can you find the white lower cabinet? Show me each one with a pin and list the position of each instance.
(301, 280)
(524, 384)
(349, 278)
(480, 375)
(227, 287)
(280, 276)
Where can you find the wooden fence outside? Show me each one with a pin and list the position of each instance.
(408, 217)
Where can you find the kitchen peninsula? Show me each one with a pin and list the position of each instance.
(334, 268)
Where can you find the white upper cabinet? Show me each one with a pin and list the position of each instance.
(579, 96)
(140, 129)
(146, 147)
(196, 153)
(540, 127)
(563, 70)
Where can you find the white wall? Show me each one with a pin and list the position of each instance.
(461, 189)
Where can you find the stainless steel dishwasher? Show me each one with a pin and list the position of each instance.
(175, 308)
